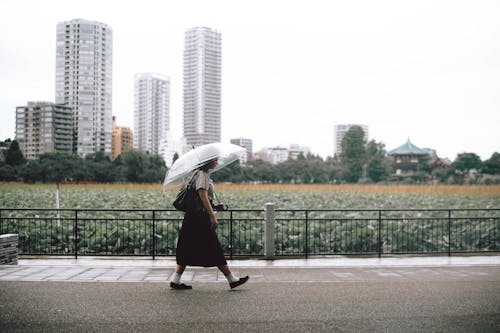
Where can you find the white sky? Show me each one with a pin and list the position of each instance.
(291, 70)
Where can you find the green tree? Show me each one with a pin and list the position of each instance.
(466, 162)
(133, 162)
(100, 167)
(492, 165)
(260, 170)
(7, 173)
(377, 164)
(232, 173)
(155, 169)
(138, 166)
(58, 166)
(31, 172)
(353, 154)
(14, 155)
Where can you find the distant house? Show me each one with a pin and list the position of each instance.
(407, 157)
(439, 162)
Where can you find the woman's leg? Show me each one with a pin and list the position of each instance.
(225, 269)
(179, 269)
(233, 280)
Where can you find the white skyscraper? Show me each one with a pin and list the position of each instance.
(84, 56)
(202, 86)
(151, 111)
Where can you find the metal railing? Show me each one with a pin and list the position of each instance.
(297, 233)
(378, 232)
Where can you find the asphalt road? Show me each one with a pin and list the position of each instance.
(381, 305)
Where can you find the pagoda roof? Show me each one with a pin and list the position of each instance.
(409, 149)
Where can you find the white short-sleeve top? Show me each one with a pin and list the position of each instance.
(202, 181)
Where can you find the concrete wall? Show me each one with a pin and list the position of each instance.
(8, 249)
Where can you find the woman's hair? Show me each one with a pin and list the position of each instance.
(205, 167)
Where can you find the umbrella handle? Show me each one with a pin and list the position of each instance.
(220, 206)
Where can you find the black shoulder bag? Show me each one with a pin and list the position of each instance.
(187, 199)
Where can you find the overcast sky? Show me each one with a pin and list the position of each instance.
(291, 70)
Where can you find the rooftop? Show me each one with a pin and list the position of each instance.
(409, 149)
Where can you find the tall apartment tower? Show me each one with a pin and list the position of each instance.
(340, 132)
(202, 86)
(151, 111)
(84, 56)
(44, 127)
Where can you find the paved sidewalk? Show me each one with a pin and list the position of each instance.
(398, 294)
(338, 269)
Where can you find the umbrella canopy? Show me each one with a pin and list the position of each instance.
(183, 167)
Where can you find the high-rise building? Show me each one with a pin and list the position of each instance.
(202, 86)
(44, 127)
(340, 132)
(247, 144)
(123, 139)
(151, 111)
(84, 56)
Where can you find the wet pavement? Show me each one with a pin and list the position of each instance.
(341, 294)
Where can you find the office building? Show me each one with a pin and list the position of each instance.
(247, 144)
(277, 155)
(295, 151)
(202, 86)
(44, 127)
(340, 132)
(84, 81)
(151, 111)
(123, 139)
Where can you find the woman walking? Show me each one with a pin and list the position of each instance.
(198, 244)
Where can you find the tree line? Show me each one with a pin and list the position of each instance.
(131, 166)
(360, 162)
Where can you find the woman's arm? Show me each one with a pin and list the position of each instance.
(206, 203)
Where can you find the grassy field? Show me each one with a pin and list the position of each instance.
(247, 196)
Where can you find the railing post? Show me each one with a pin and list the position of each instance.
(307, 234)
(379, 233)
(154, 235)
(76, 233)
(231, 235)
(449, 233)
(269, 246)
(1, 222)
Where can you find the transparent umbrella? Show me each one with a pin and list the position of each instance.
(183, 167)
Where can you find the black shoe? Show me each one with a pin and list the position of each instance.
(239, 282)
(179, 286)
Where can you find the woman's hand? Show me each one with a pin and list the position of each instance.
(214, 222)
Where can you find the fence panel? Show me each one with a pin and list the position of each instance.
(138, 232)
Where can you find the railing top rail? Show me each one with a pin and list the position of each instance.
(116, 209)
(260, 210)
(388, 210)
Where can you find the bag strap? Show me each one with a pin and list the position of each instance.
(191, 181)
(217, 197)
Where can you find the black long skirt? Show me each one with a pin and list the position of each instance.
(197, 245)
